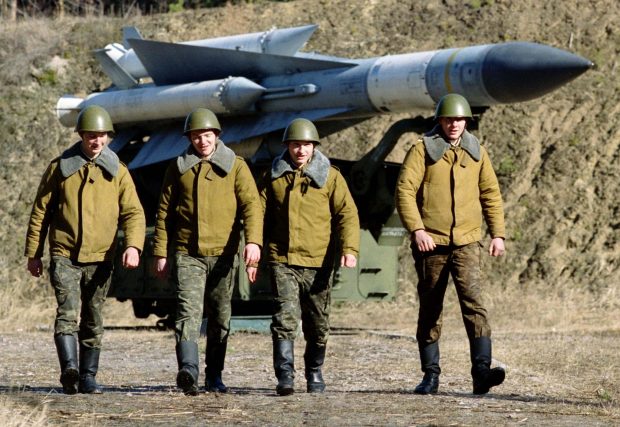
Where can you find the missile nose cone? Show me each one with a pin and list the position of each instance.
(520, 71)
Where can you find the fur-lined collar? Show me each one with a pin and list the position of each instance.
(223, 157)
(436, 145)
(317, 168)
(72, 160)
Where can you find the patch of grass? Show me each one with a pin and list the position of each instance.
(604, 395)
(507, 166)
(574, 141)
(176, 7)
(477, 4)
(27, 306)
(47, 77)
(14, 414)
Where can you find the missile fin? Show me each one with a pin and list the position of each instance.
(130, 33)
(169, 142)
(121, 78)
(172, 63)
(122, 137)
(164, 144)
(238, 129)
(288, 41)
(329, 127)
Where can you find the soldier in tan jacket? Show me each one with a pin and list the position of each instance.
(307, 205)
(205, 194)
(84, 196)
(446, 185)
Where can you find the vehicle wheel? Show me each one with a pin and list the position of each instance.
(164, 307)
(142, 308)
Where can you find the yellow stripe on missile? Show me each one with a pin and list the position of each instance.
(446, 73)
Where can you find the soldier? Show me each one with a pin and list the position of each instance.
(307, 200)
(205, 193)
(83, 197)
(446, 184)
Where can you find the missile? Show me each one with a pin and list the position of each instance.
(486, 75)
(117, 58)
(268, 90)
(225, 96)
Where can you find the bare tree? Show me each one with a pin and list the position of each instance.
(8, 10)
(60, 8)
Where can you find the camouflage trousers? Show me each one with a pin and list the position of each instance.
(80, 289)
(204, 286)
(301, 294)
(434, 269)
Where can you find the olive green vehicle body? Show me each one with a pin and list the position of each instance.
(374, 277)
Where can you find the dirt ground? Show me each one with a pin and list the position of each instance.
(564, 378)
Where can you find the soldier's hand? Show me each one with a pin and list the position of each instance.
(35, 266)
(131, 258)
(161, 267)
(252, 273)
(251, 254)
(423, 241)
(497, 247)
(348, 260)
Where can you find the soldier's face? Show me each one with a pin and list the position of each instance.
(203, 141)
(93, 143)
(300, 151)
(453, 127)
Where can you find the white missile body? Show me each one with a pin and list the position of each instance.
(226, 96)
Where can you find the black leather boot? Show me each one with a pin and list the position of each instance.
(483, 376)
(429, 358)
(89, 365)
(314, 358)
(284, 366)
(66, 346)
(216, 353)
(187, 358)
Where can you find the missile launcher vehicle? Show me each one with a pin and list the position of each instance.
(256, 84)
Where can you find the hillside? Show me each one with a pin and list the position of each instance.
(558, 158)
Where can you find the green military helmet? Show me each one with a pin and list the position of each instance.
(453, 105)
(301, 130)
(94, 119)
(201, 119)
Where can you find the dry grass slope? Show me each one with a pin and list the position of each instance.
(558, 158)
